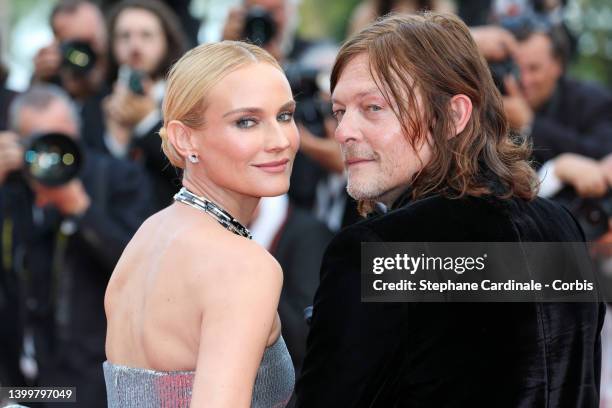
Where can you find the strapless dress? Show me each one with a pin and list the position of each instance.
(128, 387)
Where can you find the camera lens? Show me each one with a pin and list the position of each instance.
(77, 56)
(52, 159)
(259, 27)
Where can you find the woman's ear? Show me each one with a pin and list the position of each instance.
(461, 111)
(179, 136)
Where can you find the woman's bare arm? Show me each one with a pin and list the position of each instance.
(239, 310)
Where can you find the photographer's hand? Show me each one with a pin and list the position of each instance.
(47, 62)
(274, 48)
(69, 199)
(584, 174)
(234, 25)
(517, 110)
(11, 154)
(606, 167)
(128, 108)
(124, 110)
(112, 118)
(495, 43)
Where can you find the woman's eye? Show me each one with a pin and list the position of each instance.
(374, 108)
(285, 116)
(337, 114)
(245, 123)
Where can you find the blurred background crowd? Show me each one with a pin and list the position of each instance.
(81, 87)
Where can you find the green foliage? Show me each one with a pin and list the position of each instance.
(326, 18)
(591, 23)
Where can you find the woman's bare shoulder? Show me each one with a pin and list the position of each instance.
(228, 259)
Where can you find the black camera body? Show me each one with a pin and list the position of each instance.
(500, 70)
(52, 159)
(132, 79)
(311, 110)
(591, 213)
(259, 26)
(78, 57)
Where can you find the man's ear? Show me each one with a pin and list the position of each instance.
(461, 111)
(180, 137)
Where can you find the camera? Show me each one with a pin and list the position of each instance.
(52, 159)
(77, 57)
(502, 69)
(311, 110)
(132, 79)
(259, 26)
(591, 213)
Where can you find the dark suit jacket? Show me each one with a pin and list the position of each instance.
(577, 119)
(298, 248)
(10, 307)
(165, 178)
(443, 354)
(146, 150)
(69, 273)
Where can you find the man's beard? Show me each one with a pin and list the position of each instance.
(364, 189)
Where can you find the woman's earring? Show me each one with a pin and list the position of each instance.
(193, 158)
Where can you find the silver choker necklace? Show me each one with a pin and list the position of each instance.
(223, 217)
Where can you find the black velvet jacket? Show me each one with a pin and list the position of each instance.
(444, 354)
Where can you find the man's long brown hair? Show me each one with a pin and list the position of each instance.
(435, 56)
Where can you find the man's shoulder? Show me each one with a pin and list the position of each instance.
(433, 218)
(589, 90)
(438, 218)
(107, 175)
(114, 167)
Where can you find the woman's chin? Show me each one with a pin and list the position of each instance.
(273, 190)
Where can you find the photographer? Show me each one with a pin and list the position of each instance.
(69, 236)
(76, 60)
(569, 121)
(562, 115)
(146, 38)
(80, 24)
(10, 307)
(269, 23)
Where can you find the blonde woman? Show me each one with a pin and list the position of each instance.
(191, 305)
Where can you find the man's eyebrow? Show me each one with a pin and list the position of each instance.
(362, 94)
(252, 110)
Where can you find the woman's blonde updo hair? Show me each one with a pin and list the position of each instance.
(191, 78)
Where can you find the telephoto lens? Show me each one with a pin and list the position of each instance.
(259, 26)
(52, 159)
(77, 57)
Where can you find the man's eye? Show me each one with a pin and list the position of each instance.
(285, 117)
(122, 36)
(147, 35)
(337, 114)
(245, 123)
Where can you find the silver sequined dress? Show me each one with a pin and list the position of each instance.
(128, 387)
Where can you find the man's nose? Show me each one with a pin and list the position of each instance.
(525, 77)
(347, 129)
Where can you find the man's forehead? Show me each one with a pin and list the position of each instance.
(354, 91)
(356, 79)
(54, 117)
(538, 45)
